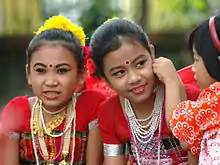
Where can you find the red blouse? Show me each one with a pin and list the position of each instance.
(16, 122)
(113, 125)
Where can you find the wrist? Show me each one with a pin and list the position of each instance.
(173, 80)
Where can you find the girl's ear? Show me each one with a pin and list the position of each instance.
(219, 58)
(81, 76)
(152, 51)
(28, 75)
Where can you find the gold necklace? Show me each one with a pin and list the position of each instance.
(36, 128)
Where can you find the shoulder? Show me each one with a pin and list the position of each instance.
(87, 105)
(16, 113)
(109, 106)
(18, 103)
(112, 123)
(91, 96)
(90, 99)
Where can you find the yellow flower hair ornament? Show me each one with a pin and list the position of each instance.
(113, 18)
(63, 23)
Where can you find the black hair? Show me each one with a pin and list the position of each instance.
(57, 36)
(202, 40)
(109, 37)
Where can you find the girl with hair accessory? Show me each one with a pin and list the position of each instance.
(94, 82)
(134, 124)
(197, 123)
(57, 126)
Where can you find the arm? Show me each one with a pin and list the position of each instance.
(174, 88)
(94, 150)
(174, 94)
(193, 160)
(114, 154)
(11, 152)
(10, 127)
(115, 160)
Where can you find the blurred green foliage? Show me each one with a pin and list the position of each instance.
(180, 15)
(96, 14)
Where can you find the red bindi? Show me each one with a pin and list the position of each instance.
(50, 65)
(127, 62)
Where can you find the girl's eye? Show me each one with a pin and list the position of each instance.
(40, 70)
(118, 73)
(62, 70)
(140, 64)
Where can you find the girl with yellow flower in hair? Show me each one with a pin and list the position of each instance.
(57, 126)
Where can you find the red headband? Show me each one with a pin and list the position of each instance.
(213, 33)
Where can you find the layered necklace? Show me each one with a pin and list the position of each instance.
(39, 128)
(143, 134)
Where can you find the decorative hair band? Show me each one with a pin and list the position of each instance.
(63, 23)
(90, 66)
(214, 33)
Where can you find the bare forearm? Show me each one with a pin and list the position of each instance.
(94, 151)
(11, 152)
(192, 159)
(115, 160)
(175, 94)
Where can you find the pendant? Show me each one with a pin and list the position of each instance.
(63, 163)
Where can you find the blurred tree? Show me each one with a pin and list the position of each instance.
(89, 13)
(140, 12)
(96, 14)
(180, 14)
(20, 17)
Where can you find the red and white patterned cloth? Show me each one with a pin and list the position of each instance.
(198, 123)
(210, 149)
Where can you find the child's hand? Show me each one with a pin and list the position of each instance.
(164, 69)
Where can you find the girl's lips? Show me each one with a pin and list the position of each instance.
(138, 90)
(51, 95)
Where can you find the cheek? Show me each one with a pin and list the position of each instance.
(118, 84)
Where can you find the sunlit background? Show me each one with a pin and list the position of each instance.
(168, 23)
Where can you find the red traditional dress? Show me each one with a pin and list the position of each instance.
(17, 115)
(115, 132)
(198, 123)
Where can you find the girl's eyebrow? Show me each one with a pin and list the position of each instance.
(62, 64)
(40, 64)
(57, 66)
(133, 61)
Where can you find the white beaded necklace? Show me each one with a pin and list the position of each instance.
(65, 149)
(53, 113)
(44, 126)
(144, 133)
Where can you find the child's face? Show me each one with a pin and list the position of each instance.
(53, 75)
(202, 76)
(128, 70)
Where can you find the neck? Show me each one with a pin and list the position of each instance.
(53, 112)
(144, 108)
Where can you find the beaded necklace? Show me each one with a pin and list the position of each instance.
(143, 134)
(38, 140)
